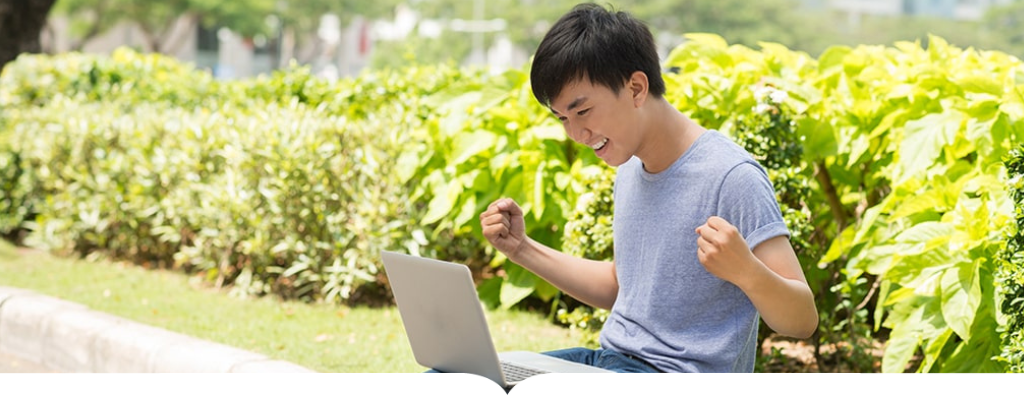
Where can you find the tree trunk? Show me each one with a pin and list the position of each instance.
(21, 21)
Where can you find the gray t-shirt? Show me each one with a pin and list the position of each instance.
(670, 310)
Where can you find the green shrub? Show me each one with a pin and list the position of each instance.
(283, 184)
(1011, 273)
(125, 76)
(257, 190)
(588, 234)
(906, 197)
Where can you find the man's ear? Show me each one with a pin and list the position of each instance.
(638, 87)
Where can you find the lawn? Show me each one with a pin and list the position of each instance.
(322, 337)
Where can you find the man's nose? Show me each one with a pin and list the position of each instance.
(578, 133)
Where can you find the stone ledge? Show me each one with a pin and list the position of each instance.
(70, 337)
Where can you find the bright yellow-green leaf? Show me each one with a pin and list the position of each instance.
(544, 290)
(980, 84)
(467, 211)
(820, 139)
(443, 202)
(539, 186)
(407, 165)
(467, 145)
(925, 232)
(934, 350)
(923, 143)
(899, 350)
(833, 56)
(548, 132)
(936, 200)
(961, 296)
(839, 246)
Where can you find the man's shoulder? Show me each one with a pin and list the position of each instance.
(721, 147)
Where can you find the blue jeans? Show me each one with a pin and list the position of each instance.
(605, 359)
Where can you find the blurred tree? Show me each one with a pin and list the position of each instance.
(1004, 24)
(166, 23)
(526, 21)
(299, 20)
(738, 21)
(93, 17)
(20, 24)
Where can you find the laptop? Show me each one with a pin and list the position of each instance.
(447, 330)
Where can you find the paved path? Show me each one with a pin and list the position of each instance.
(14, 364)
(39, 333)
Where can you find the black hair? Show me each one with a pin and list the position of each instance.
(604, 45)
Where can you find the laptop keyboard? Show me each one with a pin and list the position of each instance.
(515, 373)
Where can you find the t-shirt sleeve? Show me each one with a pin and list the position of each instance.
(747, 201)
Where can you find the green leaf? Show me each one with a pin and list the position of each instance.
(833, 56)
(490, 291)
(914, 321)
(934, 350)
(408, 163)
(467, 145)
(980, 84)
(926, 232)
(859, 145)
(884, 292)
(899, 350)
(545, 291)
(467, 213)
(518, 286)
(1013, 105)
(840, 245)
(547, 132)
(923, 143)
(443, 202)
(296, 268)
(458, 112)
(876, 259)
(976, 356)
(914, 269)
(941, 199)
(961, 297)
(885, 126)
(539, 194)
(820, 139)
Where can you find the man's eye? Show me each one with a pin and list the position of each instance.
(582, 112)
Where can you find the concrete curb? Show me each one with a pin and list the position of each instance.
(70, 337)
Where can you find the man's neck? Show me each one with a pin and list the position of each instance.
(669, 134)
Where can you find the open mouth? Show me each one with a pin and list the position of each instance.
(599, 145)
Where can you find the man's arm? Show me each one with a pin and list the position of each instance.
(770, 276)
(592, 282)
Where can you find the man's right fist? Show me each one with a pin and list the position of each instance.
(504, 226)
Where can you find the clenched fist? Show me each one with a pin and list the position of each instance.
(723, 251)
(504, 227)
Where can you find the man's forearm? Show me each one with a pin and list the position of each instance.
(590, 281)
(786, 305)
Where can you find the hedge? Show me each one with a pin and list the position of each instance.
(890, 164)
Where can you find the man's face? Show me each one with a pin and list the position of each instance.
(595, 116)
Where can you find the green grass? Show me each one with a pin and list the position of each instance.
(325, 338)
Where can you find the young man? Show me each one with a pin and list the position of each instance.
(700, 245)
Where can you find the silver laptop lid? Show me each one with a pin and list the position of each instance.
(442, 315)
